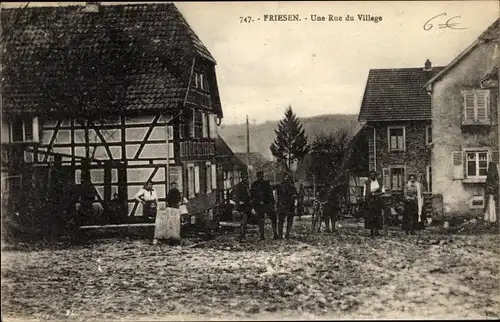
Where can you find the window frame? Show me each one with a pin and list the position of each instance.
(403, 179)
(475, 93)
(396, 127)
(477, 168)
(32, 122)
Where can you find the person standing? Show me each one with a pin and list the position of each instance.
(117, 209)
(263, 203)
(242, 200)
(287, 195)
(149, 199)
(373, 204)
(412, 218)
(333, 207)
(173, 196)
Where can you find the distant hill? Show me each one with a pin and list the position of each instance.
(262, 135)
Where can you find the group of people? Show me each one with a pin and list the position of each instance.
(258, 200)
(412, 214)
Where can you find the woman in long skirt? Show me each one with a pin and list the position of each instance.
(412, 218)
(373, 204)
(149, 199)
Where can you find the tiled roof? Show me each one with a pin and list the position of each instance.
(156, 37)
(396, 94)
(222, 150)
(256, 159)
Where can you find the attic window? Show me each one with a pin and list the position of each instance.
(200, 81)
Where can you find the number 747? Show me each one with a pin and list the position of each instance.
(247, 19)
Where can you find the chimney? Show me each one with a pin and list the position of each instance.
(91, 6)
(428, 66)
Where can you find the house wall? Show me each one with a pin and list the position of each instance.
(416, 157)
(128, 151)
(448, 132)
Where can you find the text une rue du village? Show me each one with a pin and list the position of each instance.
(324, 18)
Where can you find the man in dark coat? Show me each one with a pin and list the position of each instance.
(333, 207)
(243, 205)
(287, 195)
(372, 193)
(173, 196)
(263, 203)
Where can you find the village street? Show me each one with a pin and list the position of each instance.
(347, 275)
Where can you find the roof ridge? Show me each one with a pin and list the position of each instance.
(405, 68)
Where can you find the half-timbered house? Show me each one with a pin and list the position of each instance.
(151, 113)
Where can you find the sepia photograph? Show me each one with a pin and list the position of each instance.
(250, 161)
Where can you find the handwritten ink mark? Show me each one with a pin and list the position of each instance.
(448, 24)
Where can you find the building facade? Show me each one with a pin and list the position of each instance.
(396, 117)
(465, 124)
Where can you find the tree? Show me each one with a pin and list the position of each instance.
(290, 144)
(328, 152)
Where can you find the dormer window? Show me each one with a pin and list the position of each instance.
(200, 81)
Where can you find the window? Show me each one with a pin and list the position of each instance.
(208, 176)
(182, 131)
(476, 106)
(200, 81)
(428, 135)
(24, 129)
(396, 138)
(477, 163)
(191, 120)
(198, 124)
(394, 177)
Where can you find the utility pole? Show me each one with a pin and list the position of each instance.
(248, 152)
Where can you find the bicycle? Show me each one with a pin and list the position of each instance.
(317, 215)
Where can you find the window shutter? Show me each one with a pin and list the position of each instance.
(386, 178)
(192, 124)
(495, 157)
(208, 177)
(36, 137)
(214, 177)
(469, 105)
(458, 164)
(213, 119)
(196, 179)
(190, 182)
(204, 125)
(482, 105)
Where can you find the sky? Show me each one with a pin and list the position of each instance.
(320, 67)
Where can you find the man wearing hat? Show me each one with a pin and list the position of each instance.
(287, 195)
(242, 200)
(263, 203)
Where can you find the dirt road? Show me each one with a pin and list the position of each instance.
(338, 275)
